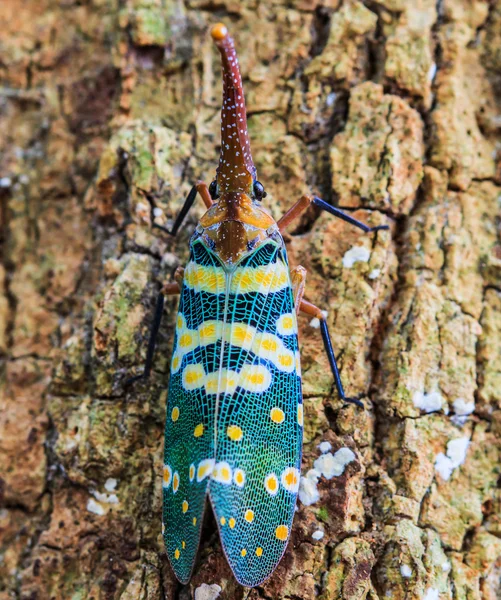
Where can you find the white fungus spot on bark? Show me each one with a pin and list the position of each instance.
(315, 323)
(461, 407)
(317, 535)
(446, 566)
(405, 571)
(324, 447)
(428, 402)
(110, 484)
(207, 592)
(456, 455)
(308, 493)
(431, 594)
(354, 255)
(94, 507)
(5, 182)
(375, 273)
(332, 465)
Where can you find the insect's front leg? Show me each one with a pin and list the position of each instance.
(201, 188)
(169, 289)
(306, 200)
(312, 310)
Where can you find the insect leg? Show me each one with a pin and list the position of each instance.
(305, 201)
(311, 309)
(169, 289)
(298, 280)
(203, 190)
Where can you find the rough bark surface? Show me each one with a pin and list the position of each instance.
(109, 111)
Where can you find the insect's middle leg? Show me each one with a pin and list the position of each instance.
(306, 200)
(169, 289)
(312, 310)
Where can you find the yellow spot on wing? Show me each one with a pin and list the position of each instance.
(259, 551)
(255, 378)
(175, 414)
(222, 473)
(271, 484)
(290, 479)
(177, 554)
(205, 468)
(185, 506)
(300, 414)
(282, 532)
(193, 377)
(167, 476)
(244, 552)
(232, 523)
(239, 477)
(277, 415)
(175, 482)
(234, 432)
(194, 520)
(286, 324)
(199, 430)
(222, 520)
(192, 472)
(249, 516)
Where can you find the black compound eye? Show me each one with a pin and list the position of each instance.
(259, 192)
(213, 190)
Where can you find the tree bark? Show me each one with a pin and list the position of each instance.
(109, 111)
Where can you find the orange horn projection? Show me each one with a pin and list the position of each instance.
(236, 171)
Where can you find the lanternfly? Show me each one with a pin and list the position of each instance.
(234, 423)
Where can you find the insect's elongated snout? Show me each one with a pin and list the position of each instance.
(236, 171)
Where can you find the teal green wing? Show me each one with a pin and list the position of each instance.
(255, 481)
(189, 430)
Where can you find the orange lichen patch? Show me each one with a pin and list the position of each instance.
(282, 532)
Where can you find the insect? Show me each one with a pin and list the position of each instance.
(234, 421)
